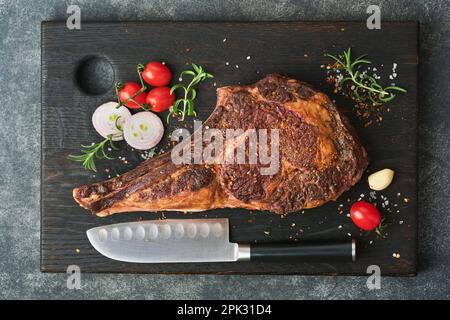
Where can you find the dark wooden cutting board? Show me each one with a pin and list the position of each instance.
(79, 66)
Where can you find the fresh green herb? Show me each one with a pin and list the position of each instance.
(189, 93)
(381, 229)
(152, 152)
(92, 152)
(366, 86)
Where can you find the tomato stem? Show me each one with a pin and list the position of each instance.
(121, 103)
(140, 68)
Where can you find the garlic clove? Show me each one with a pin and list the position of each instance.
(380, 180)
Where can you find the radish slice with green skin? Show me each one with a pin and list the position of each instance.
(108, 120)
(143, 130)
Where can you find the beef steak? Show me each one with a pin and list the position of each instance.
(320, 158)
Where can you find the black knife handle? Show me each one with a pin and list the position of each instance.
(304, 252)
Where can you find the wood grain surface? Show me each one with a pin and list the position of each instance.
(293, 48)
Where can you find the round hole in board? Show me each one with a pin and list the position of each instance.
(95, 75)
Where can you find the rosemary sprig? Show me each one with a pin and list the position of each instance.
(92, 152)
(366, 86)
(189, 93)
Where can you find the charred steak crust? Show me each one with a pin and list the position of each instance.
(320, 158)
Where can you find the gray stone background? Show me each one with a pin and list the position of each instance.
(20, 147)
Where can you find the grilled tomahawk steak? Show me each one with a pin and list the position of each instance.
(320, 158)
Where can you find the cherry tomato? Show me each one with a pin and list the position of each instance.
(156, 74)
(130, 89)
(160, 99)
(365, 215)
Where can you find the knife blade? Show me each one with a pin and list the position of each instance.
(202, 240)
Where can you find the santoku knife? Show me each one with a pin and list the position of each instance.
(203, 240)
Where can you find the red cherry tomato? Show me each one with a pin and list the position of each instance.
(365, 215)
(160, 99)
(130, 89)
(156, 74)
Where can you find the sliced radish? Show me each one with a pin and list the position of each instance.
(108, 120)
(143, 130)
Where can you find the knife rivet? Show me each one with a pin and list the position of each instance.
(102, 235)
